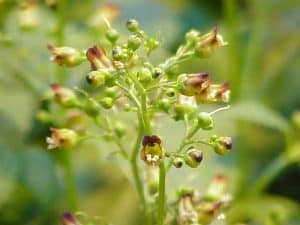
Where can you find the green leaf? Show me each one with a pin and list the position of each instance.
(257, 113)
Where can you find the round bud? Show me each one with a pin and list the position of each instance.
(92, 107)
(170, 92)
(164, 104)
(158, 72)
(196, 154)
(144, 75)
(193, 158)
(222, 145)
(112, 35)
(134, 42)
(177, 162)
(192, 36)
(205, 121)
(119, 129)
(96, 78)
(117, 53)
(132, 25)
(107, 102)
(110, 92)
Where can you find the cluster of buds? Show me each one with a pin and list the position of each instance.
(196, 208)
(192, 158)
(152, 152)
(199, 86)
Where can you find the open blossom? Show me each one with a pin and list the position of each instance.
(214, 93)
(152, 151)
(66, 56)
(209, 42)
(62, 138)
(191, 84)
(98, 59)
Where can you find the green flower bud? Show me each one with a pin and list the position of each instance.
(177, 162)
(157, 72)
(151, 44)
(110, 92)
(107, 102)
(205, 121)
(119, 129)
(179, 110)
(96, 78)
(132, 25)
(118, 54)
(222, 145)
(170, 92)
(164, 104)
(112, 35)
(144, 75)
(43, 116)
(92, 107)
(134, 42)
(193, 157)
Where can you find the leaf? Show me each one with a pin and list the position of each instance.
(257, 113)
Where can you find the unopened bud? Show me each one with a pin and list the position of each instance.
(193, 157)
(192, 36)
(144, 75)
(170, 92)
(178, 162)
(119, 129)
(117, 53)
(112, 35)
(222, 145)
(164, 104)
(158, 72)
(96, 78)
(205, 121)
(107, 102)
(132, 25)
(92, 107)
(134, 42)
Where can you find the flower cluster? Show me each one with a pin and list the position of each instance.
(121, 78)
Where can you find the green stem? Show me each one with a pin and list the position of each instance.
(136, 175)
(61, 23)
(70, 181)
(161, 193)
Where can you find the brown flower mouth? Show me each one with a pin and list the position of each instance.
(151, 140)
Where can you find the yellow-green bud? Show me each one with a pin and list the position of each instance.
(96, 78)
(107, 102)
(119, 129)
(164, 104)
(177, 162)
(144, 75)
(170, 92)
(112, 35)
(118, 54)
(193, 157)
(92, 107)
(132, 25)
(205, 121)
(134, 42)
(222, 145)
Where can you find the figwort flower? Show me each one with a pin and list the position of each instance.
(98, 59)
(62, 138)
(192, 84)
(208, 43)
(69, 219)
(152, 151)
(214, 93)
(222, 145)
(66, 56)
(64, 96)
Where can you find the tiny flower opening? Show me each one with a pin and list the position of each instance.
(152, 151)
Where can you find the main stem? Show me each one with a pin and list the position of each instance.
(70, 181)
(161, 193)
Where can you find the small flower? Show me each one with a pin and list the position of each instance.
(64, 96)
(98, 59)
(192, 84)
(187, 214)
(222, 145)
(208, 43)
(62, 138)
(69, 219)
(152, 151)
(66, 56)
(214, 93)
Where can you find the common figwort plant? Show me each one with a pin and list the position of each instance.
(123, 78)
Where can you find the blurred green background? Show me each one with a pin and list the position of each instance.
(261, 63)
